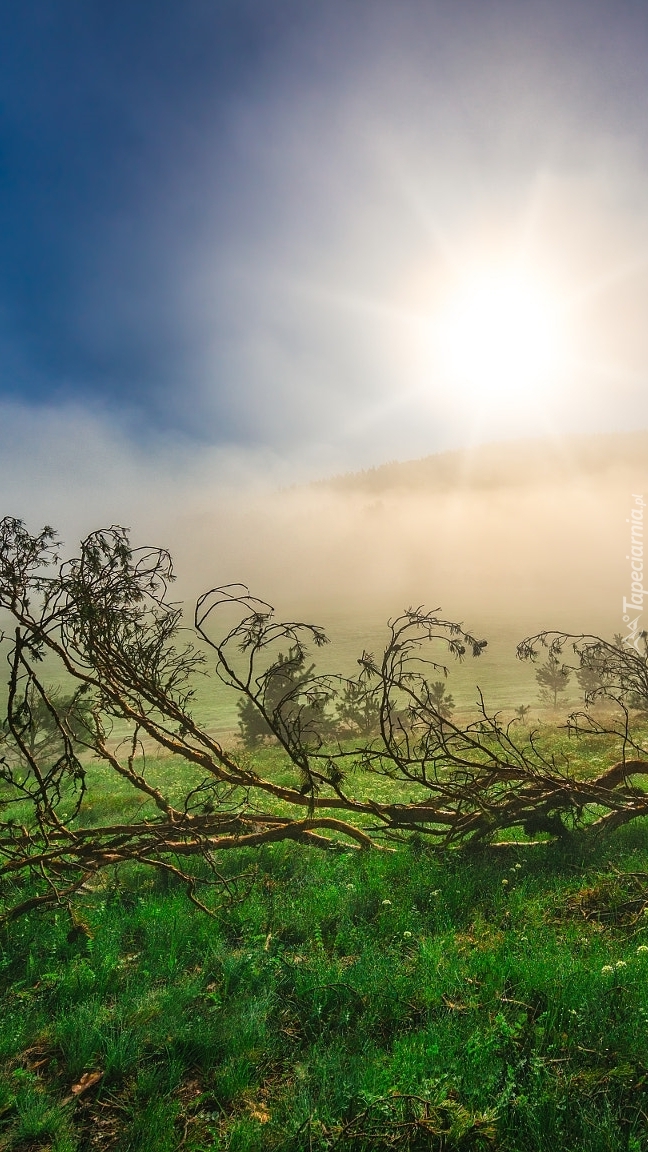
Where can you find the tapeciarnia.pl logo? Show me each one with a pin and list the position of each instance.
(634, 603)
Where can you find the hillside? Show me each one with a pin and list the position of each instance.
(508, 464)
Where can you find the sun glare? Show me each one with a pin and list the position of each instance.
(499, 336)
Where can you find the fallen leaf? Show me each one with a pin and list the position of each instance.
(88, 1080)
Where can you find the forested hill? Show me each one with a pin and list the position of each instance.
(509, 464)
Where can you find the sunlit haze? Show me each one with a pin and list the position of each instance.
(250, 246)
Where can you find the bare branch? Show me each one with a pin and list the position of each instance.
(106, 618)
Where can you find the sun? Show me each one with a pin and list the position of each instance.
(499, 334)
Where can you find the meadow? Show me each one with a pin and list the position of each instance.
(341, 1000)
(399, 997)
(506, 681)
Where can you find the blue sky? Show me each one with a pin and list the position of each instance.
(227, 227)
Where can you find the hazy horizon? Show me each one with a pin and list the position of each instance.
(512, 536)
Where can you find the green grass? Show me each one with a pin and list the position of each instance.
(351, 1001)
(314, 1011)
(110, 798)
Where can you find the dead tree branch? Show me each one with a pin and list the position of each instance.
(106, 621)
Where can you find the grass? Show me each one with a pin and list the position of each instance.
(351, 1001)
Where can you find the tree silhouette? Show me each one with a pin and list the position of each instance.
(357, 710)
(441, 698)
(282, 689)
(553, 678)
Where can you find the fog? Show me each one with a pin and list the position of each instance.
(512, 536)
(500, 550)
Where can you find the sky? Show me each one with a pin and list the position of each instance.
(270, 241)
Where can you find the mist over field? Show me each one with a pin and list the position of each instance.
(515, 536)
(529, 534)
(508, 538)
